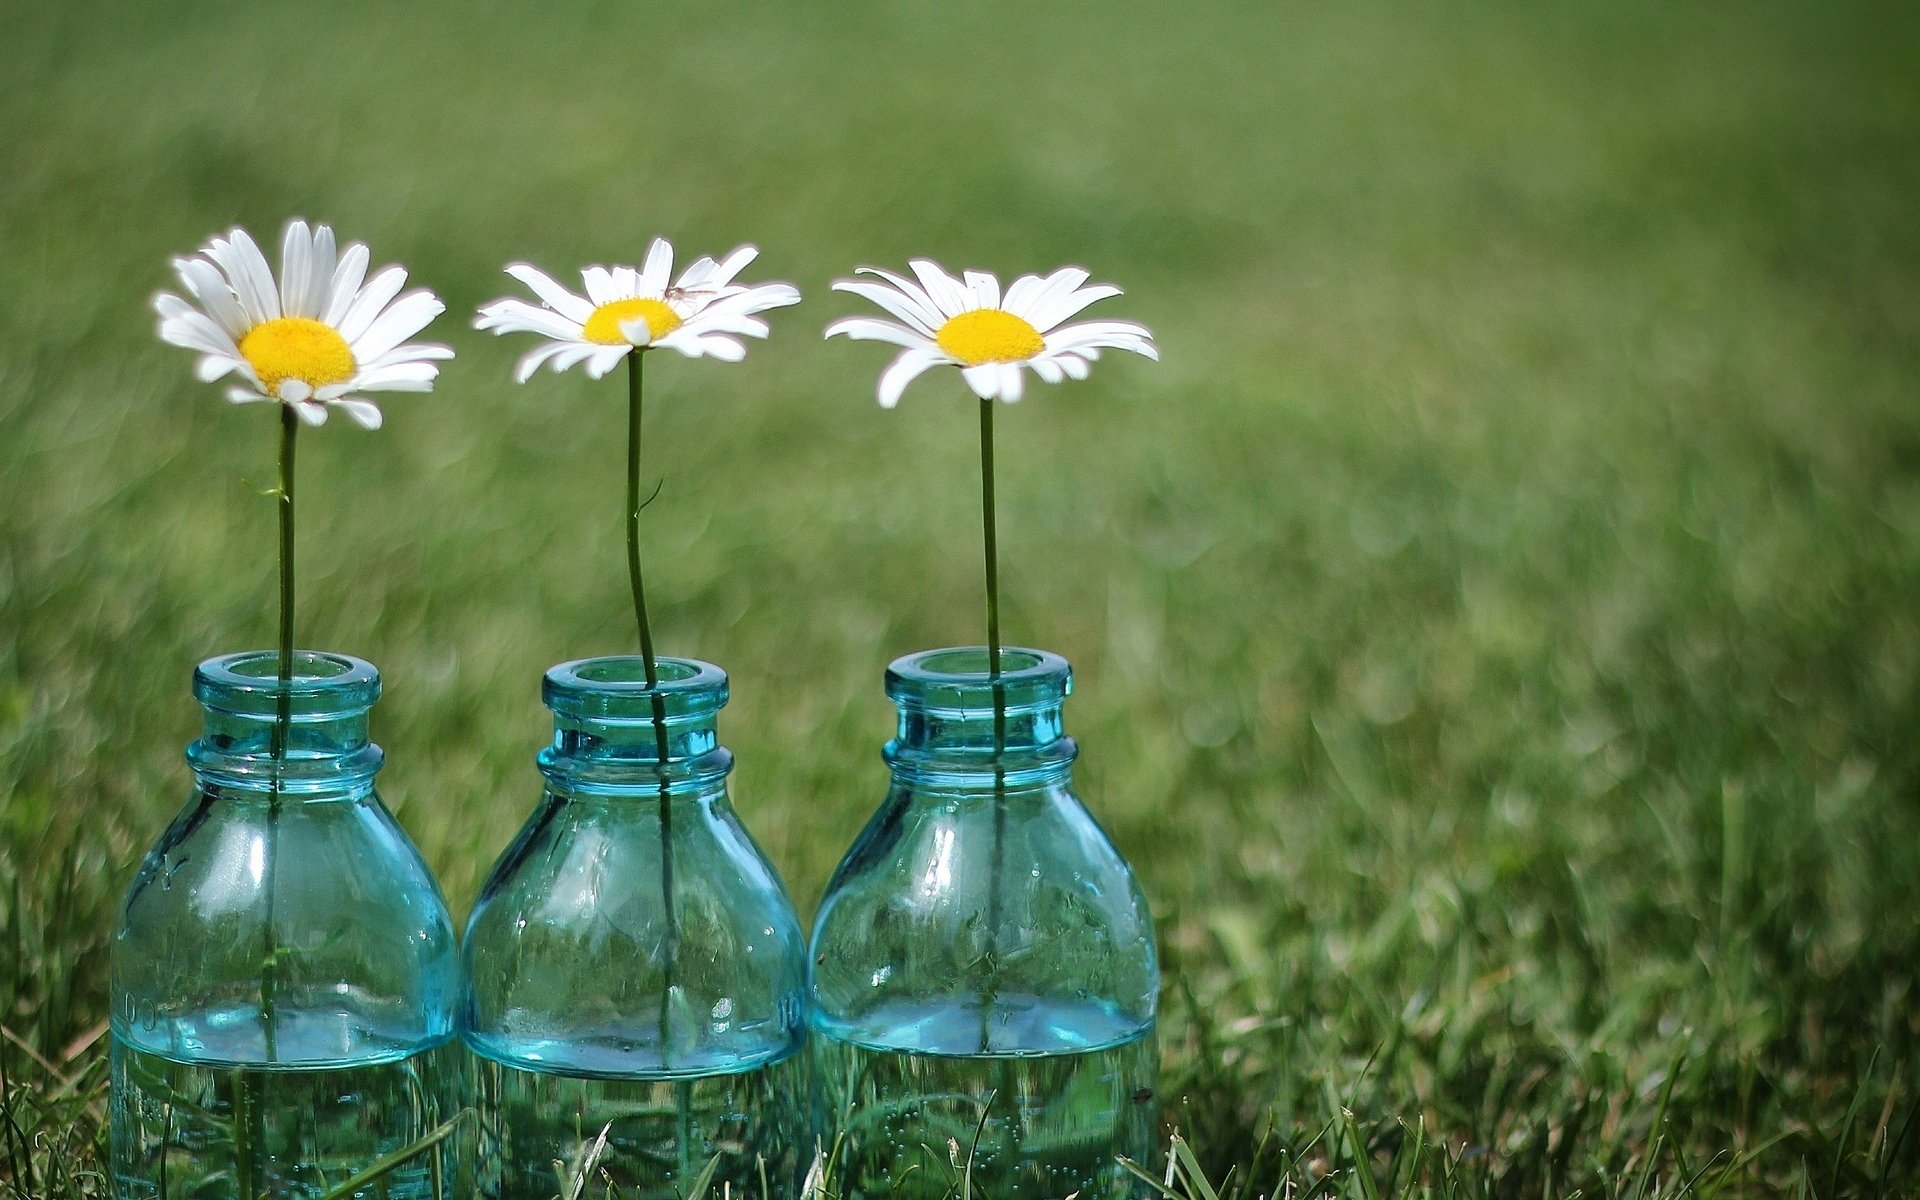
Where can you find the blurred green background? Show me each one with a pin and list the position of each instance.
(1495, 619)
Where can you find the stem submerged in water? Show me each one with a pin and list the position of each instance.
(653, 684)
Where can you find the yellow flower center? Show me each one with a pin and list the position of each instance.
(604, 325)
(988, 335)
(297, 348)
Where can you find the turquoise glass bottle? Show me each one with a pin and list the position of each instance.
(983, 970)
(283, 969)
(634, 967)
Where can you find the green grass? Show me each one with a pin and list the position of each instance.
(1497, 619)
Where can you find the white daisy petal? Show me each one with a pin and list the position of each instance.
(718, 346)
(893, 301)
(637, 331)
(871, 329)
(215, 295)
(295, 390)
(1060, 283)
(904, 369)
(363, 413)
(657, 271)
(1047, 369)
(1050, 312)
(575, 353)
(517, 316)
(247, 270)
(734, 323)
(408, 316)
(240, 395)
(983, 379)
(296, 269)
(698, 277)
(604, 359)
(313, 412)
(745, 300)
(947, 292)
(345, 285)
(170, 306)
(916, 296)
(191, 337)
(765, 296)
(213, 367)
(733, 264)
(1103, 329)
(531, 360)
(600, 286)
(1010, 382)
(398, 377)
(984, 288)
(1118, 335)
(410, 352)
(320, 286)
(551, 294)
(377, 293)
(1020, 294)
(191, 330)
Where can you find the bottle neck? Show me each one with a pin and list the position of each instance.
(962, 727)
(615, 734)
(303, 735)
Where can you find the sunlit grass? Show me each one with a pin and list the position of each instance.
(1496, 620)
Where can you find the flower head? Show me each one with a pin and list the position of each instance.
(316, 339)
(703, 314)
(968, 323)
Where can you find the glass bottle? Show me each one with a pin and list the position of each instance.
(634, 968)
(283, 969)
(983, 971)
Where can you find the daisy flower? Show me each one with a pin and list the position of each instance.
(704, 313)
(316, 339)
(968, 323)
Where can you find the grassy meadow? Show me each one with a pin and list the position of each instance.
(1496, 620)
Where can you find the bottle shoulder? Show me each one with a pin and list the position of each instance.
(946, 902)
(322, 855)
(583, 858)
(608, 943)
(330, 892)
(944, 851)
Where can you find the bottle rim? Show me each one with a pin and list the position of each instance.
(615, 687)
(958, 679)
(322, 682)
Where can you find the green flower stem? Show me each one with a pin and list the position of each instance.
(653, 684)
(993, 555)
(282, 727)
(994, 917)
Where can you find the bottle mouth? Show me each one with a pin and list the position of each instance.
(615, 688)
(959, 680)
(320, 685)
